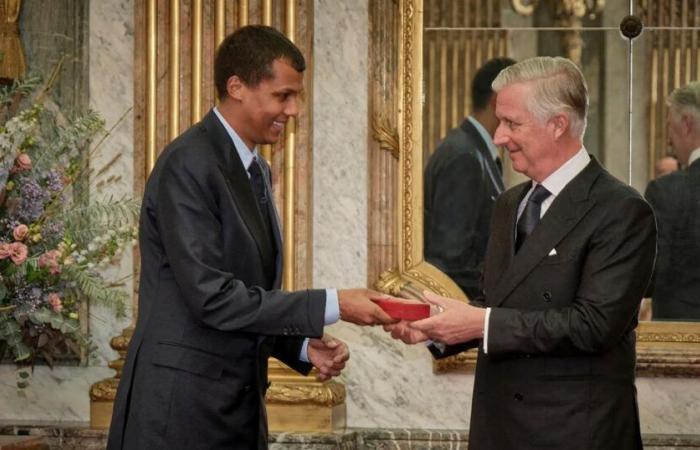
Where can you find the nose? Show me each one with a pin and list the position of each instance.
(500, 137)
(292, 108)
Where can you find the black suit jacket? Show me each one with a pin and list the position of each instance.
(675, 199)
(561, 344)
(462, 182)
(210, 312)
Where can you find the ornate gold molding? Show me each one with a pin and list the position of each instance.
(13, 61)
(409, 69)
(386, 135)
(524, 7)
(322, 394)
(103, 393)
(668, 349)
(568, 14)
(463, 362)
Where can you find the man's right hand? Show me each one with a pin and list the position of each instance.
(356, 306)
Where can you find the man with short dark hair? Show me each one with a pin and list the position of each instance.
(675, 199)
(210, 309)
(462, 180)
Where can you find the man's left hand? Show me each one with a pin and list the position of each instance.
(328, 355)
(457, 322)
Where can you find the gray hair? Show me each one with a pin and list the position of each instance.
(558, 86)
(686, 100)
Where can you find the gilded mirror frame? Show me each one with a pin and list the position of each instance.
(669, 349)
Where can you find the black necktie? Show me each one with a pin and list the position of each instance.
(257, 182)
(499, 165)
(531, 215)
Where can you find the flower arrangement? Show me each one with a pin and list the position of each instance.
(53, 236)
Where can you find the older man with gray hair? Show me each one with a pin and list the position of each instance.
(569, 257)
(675, 199)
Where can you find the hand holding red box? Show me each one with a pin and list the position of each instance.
(404, 309)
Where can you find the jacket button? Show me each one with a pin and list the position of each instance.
(547, 296)
(247, 388)
(518, 396)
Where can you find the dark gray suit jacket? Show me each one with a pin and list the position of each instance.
(561, 344)
(675, 199)
(210, 312)
(461, 184)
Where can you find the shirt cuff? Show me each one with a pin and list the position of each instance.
(332, 313)
(486, 331)
(304, 353)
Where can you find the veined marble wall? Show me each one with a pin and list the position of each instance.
(389, 384)
(61, 394)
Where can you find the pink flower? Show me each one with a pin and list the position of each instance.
(20, 232)
(18, 252)
(55, 302)
(50, 260)
(5, 250)
(23, 162)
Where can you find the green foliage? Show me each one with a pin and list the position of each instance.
(93, 287)
(55, 231)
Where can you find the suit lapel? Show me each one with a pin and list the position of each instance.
(570, 206)
(239, 184)
(483, 148)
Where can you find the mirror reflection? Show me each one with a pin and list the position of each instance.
(652, 142)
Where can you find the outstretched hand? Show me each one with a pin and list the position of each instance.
(457, 322)
(403, 332)
(328, 355)
(356, 306)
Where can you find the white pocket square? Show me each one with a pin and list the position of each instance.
(553, 252)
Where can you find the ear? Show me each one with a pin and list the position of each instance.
(235, 88)
(560, 124)
(688, 124)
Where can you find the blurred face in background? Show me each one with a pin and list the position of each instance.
(666, 165)
(680, 127)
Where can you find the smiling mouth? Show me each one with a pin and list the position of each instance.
(278, 124)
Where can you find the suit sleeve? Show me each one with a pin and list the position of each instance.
(456, 203)
(190, 229)
(663, 211)
(614, 276)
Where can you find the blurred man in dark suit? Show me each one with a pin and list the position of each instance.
(569, 257)
(462, 180)
(675, 199)
(211, 311)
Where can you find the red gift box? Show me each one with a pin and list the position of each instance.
(404, 311)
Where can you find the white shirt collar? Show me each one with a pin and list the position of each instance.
(555, 182)
(244, 152)
(694, 156)
(485, 136)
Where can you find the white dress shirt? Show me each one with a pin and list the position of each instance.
(694, 156)
(554, 183)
